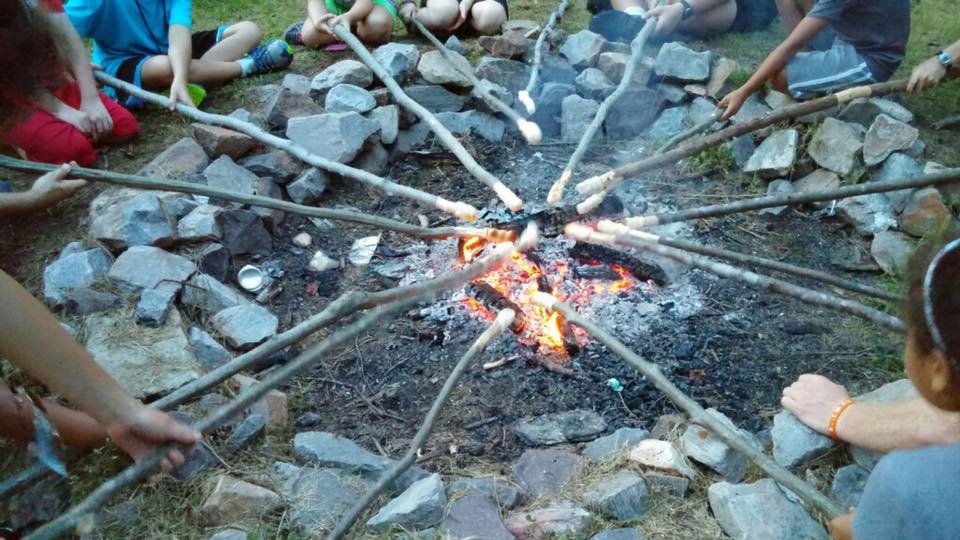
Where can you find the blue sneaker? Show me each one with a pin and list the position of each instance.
(294, 33)
(274, 55)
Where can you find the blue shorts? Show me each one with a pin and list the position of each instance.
(820, 72)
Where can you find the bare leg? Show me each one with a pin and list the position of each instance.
(487, 17)
(75, 428)
(438, 15)
(314, 38)
(157, 73)
(376, 27)
(623, 5)
(711, 22)
(238, 40)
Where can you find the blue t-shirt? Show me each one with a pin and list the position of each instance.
(124, 29)
(912, 494)
(877, 29)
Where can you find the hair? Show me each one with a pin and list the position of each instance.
(30, 58)
(944, 294)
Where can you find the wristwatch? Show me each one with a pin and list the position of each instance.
(945, 59)
(687, 10)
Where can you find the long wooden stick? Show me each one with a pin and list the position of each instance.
(947, 176)
(530, 130)
(459, 209)
(248, 396)
(525, 96)
(698, 415)
(556, 191)
(777, 266)
(618, 175)
(686, 134)
(162, 184)
(22, 479)
(809, 296)
(508, 197)
(502, 322)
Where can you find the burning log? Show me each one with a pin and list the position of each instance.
(503, 320)
(493, 300)
(612, 178)
(524, 96)
(461, 210)
(640, 269)
(556, 191)
(697, 413)
(809, 296)
(508, 197)
(529, 130)
(552, 220)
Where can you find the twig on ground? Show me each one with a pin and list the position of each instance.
(698, 415)
(500, 362)
(481, 423)
(525, 96)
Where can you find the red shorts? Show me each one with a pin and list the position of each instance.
(47, 139)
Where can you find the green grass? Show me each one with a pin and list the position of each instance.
(713, 160)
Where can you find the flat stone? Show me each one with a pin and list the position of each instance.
(925, 211)
(835, 146)
(82, 301)
(848, 484)
(309, 187)
(886, 136)
(505, 493)
(214, 259)
(611, 445)
(679, 63)
(251, 428)
(864, 111)
(719, 83)
(777, 188)
(892, 251)
(621, 496)
(200, 225)
(869, 214)
(362, 250)
(661, 455)
(349, 98)
(145, 267)
(546, 472)
(342, 72)
(898, 166)
(556, 69)
(233, 500)
(76, 270)
(752, 109)
(399, 59)
(316, 498)
(245, 326)
(145, 361)
(155, 304)
(618, 534)
(569, 426)
(795, 444)
(420, 506)
(630, 116)
(895, 391)
(436, 69)
(817, 181)
(217, 141)
(296, 83)
(388, 117)
(321, 262)
(328, 450)
(670, 123)
(549, 107)
(576, 114)
(243, 232)
(374, 159)
(562, 519)
(180, 160)
(673, 486)
(700, 111)
(510, 44)
(208, 351)
(775, 156)
(672, 93)
(225, 174)
(613, 65)
(583, 49)
(760, 511)
(474, 515)
(593, 84)
(279, 105)
(702, 446)
(776, 100)
(277, 165)
(139, 221)
(435, 98)
(334, 136)
(509, 74)
(209, 295)
(483, 125)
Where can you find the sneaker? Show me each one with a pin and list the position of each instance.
(274, 55)
(294, 33)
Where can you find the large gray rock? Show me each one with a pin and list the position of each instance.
(145, 361)
(546, 472)
(474, 515)
(477, 123)
(83, 301)
(613, 65)
(214, 259)
(661, 456)
(898, 166)
(869, 214)
(278, 105)
(217, 141)
(225, 174)
(794, 444)
(892, 251)
(435, 98)
(886, 136)
(316, 498)
(742, 148)
(245, 326)
(335, 136)
(864, 111)
(208, 351)
(593, 84)
(670, 123)
(139, 221)
(505, 493)
(550, 106)
(775, 156)
(667, 484)
(562, 519)
(556, 69)
(209, 295)
(575, 116)
(569, 426)
(752, 109)
(349, 98)
(679, 63)
(243, 232)
(420, 506)
(388, 117)
(309, 187)
(155, 304)
(817, 181)
(276, 165)
(618, 534)
(496, 91)
(436, 69)
(509, 74)
(630, 116)
(77, 270)
(328, 450)
(702, 446)
(611, 445)
(182, 159)
(296, 83)
(583, 49)
(145, 267)
(399, 59)
(621, 496)
(895, 391)
(760, 511)
(848, 484)
(342, 72)
(200, 225)
(835, 146)
(233, 500)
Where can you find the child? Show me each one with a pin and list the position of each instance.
(61, 119)
(371, 19)
(148, 43)
(485, 17)
(865, 43)
(622, 20)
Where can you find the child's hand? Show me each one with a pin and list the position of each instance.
(76, 118)
(465, 8)
(926, 75)
(329, 21)
(53, 187)
(408, 11)
(100, 120)
(143, 430)
(670, 16)
(812, 399)
(180, 94)
(732, 103)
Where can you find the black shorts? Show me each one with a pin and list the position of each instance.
(506, 7)
(753, 15)
(201, 43)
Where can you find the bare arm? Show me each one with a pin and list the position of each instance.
(46, 191)
(931, 71)
(315, 13)
(671, 14)
(98, 121)
(180, 53)
(359, 11)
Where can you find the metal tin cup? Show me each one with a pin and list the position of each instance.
(251, 278)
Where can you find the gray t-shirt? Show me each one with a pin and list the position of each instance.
(912, 494)
(877, 29)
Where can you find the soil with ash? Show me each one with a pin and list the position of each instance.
(736, 352)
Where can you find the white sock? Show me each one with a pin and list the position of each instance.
(636, 11)
(246, 66)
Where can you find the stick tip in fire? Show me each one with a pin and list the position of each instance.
(504, 318)
(530, 131)
(508, 197)
(529, 238)
(461, 210)
(544, 300)
(556, 190)
(582, 233)
(641, 222)
(524, 97)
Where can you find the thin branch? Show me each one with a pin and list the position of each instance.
(22, 479)
(808, 296)
(530, 131)
(502, 322)
(143, 182)
(508, 197)
(652, 372)
(695, 130)
(525, 95)
(457, 208)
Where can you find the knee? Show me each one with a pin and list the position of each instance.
(443, 13)
(249, 32)
(312, 37)
(487, 17)
(376, 28)
(157, 73)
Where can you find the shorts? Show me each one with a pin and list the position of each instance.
(753, 15)
(504, 3)
(335, 8)
(821, 72)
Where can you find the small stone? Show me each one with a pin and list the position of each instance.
(309, 187)
(474, 515)
(328, 450)
(613, 65)
(818, 181)
(420, 506)
(200, 224)
(454, 44)
(334, 136)
(864, 111)
(244, 115)
(214, 259)
(630, 116)
(233, 500)
(835, 146)
(546, 472)
(279, 105)
(243, 232)
(303, 240)
(348, 98)
(138, 221)
(507, 45)
(155, 303)
(924, 212)
(618, 534)
(679, 63)
(570, 426)
(621, 496)
(775, 156)
(848, 484)
(743, 149)
(209, 295)
(320, 262)
(145, 267)
(207, 350)
(672, 93)
(576, 115)
(277, 165)
(759, 511)
(197, 459)
(477, 123)
(892, 251)
(182, 159)
(503, 492)
(563, 519)
(583, 49)
(795, 444)
(399, 59)
(702, 446)
(776, 100)
(435, 98)
(556, 69)
(436, 69)
(317, 498)
(898, 166)
(719, 83)
(362, 250)
(296, 83)
(217, 141)
(886, 136)
(509, 74)
(83, 301)
(661, 455)
(869, 214)
(388, 117)
(496, 91)
(674, 486)
(549, 107)
(252, 427)
(245, 326)
(593, 84)
(225, 174)
(342, 72)
(77, 270)
(308, 419)
(611, 445)
(777, 188)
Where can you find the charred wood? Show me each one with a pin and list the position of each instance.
(638, 268)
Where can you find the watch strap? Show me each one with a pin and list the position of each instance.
(687, 10)
(945, 59)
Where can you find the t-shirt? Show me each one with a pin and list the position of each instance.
(912, 494)
(877, 29)
(123, 29)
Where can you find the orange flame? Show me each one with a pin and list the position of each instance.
(472, 246)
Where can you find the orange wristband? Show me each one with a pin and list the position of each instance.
(835, 417)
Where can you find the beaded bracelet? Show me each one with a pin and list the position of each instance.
(835, 417)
